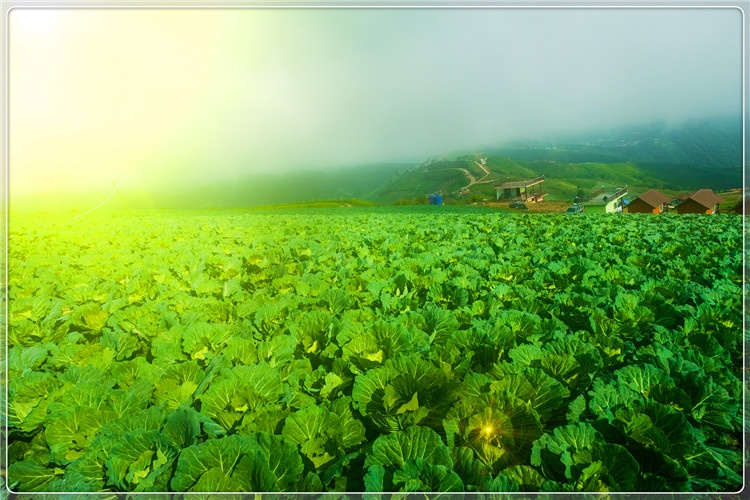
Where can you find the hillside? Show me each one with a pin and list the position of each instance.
(676, 160)
(463, 179)
(696, 154)
(449, 176)
(259, 189)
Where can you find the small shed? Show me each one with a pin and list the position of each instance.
(652, 201)
(529, 190)
(435, 199)
(703, 201)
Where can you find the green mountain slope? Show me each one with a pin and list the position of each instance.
(449, 176)
(283, 188)
(562, 180)
(701, 154)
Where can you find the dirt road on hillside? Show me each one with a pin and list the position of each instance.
(473, 180)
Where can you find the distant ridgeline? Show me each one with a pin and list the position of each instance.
(697, 154)
(704, 154)
(711, 144)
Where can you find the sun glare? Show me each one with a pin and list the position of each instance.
(37, 22)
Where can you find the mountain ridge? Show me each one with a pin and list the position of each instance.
(698, 154)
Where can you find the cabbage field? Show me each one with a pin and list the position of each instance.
(364, 350)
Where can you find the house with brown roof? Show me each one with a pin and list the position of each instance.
(529, 190)
(703, 201)
(652, 201)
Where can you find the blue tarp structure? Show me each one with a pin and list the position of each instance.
(436, 199)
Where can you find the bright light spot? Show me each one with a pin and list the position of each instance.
(487, 430)
(35, 21)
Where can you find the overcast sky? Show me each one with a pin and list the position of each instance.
(145, 96)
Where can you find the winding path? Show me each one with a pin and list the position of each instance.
(472, 180)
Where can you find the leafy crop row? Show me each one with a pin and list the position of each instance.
(366, 351)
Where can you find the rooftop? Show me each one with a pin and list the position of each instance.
(605, 195)
(706, 197)
(654, 198)
(520, 184)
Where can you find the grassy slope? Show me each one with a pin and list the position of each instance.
(447, 176)
(562, 179)
(339, 203)
(417, 183)
(673, 160)
(677, 160)
(285, 188)
(696, 154)
(396, 183)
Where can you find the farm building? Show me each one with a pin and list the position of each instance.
(703, 201)
(529, 190)
(605, 200)
(652, 201)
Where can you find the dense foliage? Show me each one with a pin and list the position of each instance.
(369, 351)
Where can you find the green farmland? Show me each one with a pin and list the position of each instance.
(373, 349)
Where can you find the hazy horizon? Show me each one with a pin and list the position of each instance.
(214, 94)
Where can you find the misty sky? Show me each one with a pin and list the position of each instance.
(150, 96)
